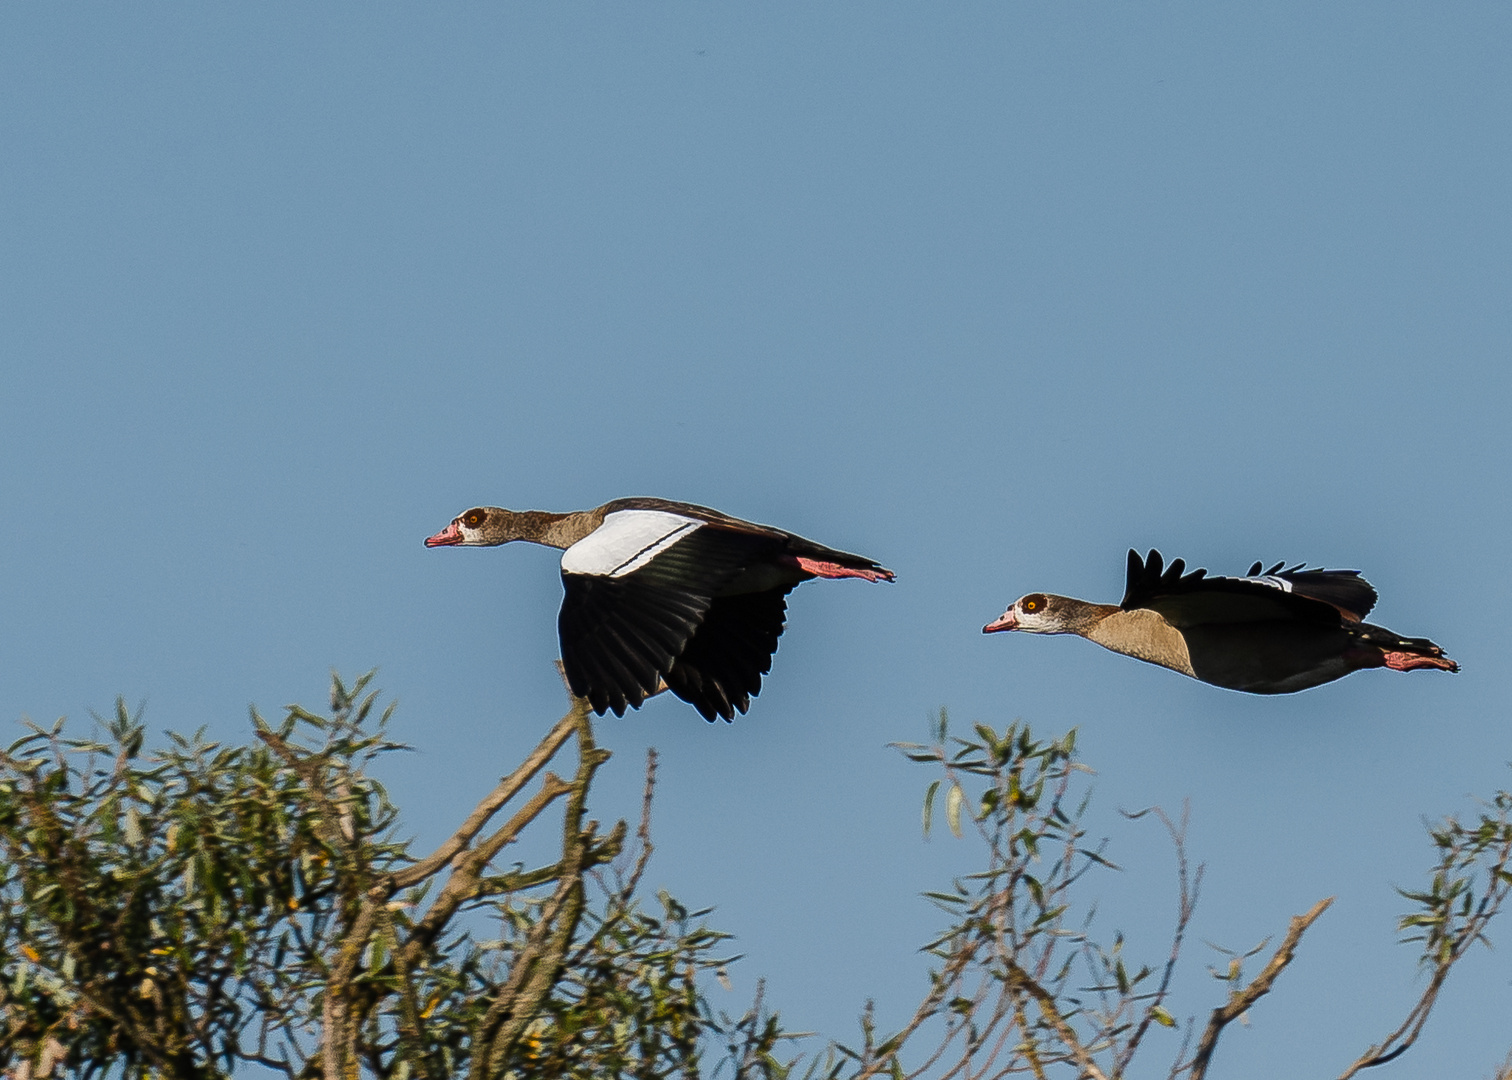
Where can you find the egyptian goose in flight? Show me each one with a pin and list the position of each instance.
(663, 593)
(1271, 632)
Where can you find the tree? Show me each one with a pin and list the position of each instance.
(183, 912)
(175, 914)
(1026, 988)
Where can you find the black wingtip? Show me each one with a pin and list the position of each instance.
(1150, 577)
(1142, 575)
(1135, 577)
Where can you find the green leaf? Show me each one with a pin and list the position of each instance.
(989, 801)
(1161, 1017)
(929, 798)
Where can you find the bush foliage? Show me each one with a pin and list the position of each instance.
(202, 909)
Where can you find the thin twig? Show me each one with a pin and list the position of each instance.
(536, 966)
(1189, 888)
(927, 1008)
(1179, 1063)
(620, 899)
(1407, 1034)
(1240, 1000)
(1027, 1049)
(463, 883)
(643, 833)
(507, 789)
(1050, 1010)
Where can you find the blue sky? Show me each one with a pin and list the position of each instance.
(989, 293)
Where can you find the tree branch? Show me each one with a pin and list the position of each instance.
(536, 965)
(927, 1008)
(1189, 888)
(1051, 1012)
(534, 971)
(463, 883)
(507, 789)
(1240, 1000)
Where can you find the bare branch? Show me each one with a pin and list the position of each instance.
(643, 834)
(625, 888)
(927, 1008)
(536, 965)
(338, 1042)
(1051, 1012)
(1241, 1000)
(463, 883)
(1189, 888)
(507, 789)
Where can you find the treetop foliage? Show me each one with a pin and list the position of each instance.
(200, 909)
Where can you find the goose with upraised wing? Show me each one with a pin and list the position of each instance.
(1272, 631)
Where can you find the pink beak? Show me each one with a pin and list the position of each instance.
(1006, 621)
(446, 538)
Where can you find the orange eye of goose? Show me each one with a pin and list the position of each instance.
(1031, 604)
(473, 518)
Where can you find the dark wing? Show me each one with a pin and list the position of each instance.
(621, 634)
(617, 636)
(1310, 596)
(1345, 590)
(723, 662)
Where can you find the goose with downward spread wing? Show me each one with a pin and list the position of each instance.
(662, 594)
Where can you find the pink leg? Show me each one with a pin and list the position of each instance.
(1406, 661)
(834, 570)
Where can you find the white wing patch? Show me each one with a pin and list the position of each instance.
(1271, 580)
(626, 541)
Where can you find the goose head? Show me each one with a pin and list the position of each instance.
(1046, 613)
(482, 526)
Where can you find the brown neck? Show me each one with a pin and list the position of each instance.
(1079, 616)
(540, 526)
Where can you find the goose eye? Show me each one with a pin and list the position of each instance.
(1032, 604)
(472, 519)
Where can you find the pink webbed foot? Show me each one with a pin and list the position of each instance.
(1406, 661)
(820, 568)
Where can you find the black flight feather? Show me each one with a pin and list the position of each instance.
(1321, 597)
(621, 636)
(723, 662)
